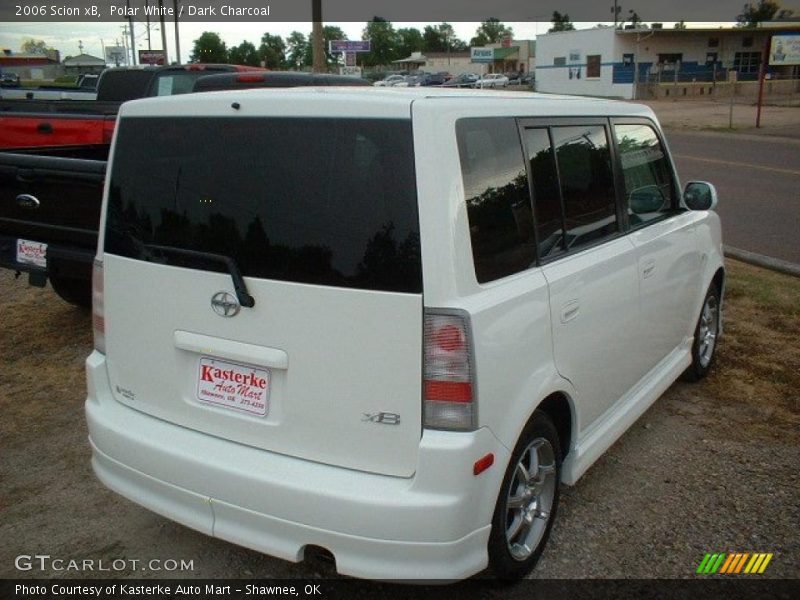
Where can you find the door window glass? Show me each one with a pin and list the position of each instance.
(546, 195)
(649, 191)
(587, 184)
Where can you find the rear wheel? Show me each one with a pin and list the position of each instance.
(527, 503)
(75, 291)
(705, 337)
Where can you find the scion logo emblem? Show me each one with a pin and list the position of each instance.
(225, 304)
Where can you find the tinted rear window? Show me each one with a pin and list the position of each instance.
(322, 201)
(498, 200)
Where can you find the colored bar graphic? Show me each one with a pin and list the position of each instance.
(741, 562)
(703, 563)
(727, 564)
(752, 562)
(734, 563)
(718, 563)
(710, 564)
(765, 563)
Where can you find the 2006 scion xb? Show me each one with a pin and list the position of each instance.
(388, 323)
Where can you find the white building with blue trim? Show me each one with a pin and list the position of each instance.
(603, 61)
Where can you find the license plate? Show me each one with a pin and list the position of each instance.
(232, 385)
(32, 253)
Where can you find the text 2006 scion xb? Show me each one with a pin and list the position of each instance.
(388, 322)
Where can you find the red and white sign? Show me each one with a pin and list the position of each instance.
(32, 253)
(240, 387)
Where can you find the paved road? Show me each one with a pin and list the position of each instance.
(758, 180)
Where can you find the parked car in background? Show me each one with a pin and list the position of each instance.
(409, 81)
(429, 79)
(492, 80)
(390, 81)
(528, 78)
(462, 80)
(9, 79)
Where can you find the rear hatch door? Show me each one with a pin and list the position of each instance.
(320, 216)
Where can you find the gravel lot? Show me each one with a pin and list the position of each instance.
(709, 468)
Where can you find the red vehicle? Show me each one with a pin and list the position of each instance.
(50, 196)
(30, 123)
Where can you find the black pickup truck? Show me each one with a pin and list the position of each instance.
(50, 197)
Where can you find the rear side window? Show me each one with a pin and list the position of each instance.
(497, 195)
(649, 190)
(321, 201)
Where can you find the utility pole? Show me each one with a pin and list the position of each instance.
(147, 21)
(163, 30)
(177, 36)
(124, 29)
(616, 9)
(318, 49)
(130, 30)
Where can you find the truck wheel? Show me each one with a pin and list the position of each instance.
(527, 503)
(74, 291)
(705, 337)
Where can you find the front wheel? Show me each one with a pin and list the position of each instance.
(527, 503)
(706, 336)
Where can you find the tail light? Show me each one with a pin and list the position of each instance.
(108, 130)
(250, 78)
(98, 314)
(449, 392)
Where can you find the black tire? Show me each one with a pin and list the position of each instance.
(509, 559)
(707, 323)
(77, 292)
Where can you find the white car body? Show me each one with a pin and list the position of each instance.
(342, 459)
(389, 81)
(492, 80)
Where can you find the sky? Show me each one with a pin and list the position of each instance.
(66, 37)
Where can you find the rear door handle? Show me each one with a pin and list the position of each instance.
(570, 310)
(648, 269)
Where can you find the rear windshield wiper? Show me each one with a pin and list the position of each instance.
(244, 298)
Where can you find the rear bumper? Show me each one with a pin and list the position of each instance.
(434, 525)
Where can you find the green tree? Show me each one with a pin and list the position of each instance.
(209, 48)
(273, 51)
(409, 41)
(442, 38)
(297, 50)
(491, 31)
(32, 46)
(329, 32)
(560, 22)
(635, 20)
(752, 14)
(244, 54)
(384, 40)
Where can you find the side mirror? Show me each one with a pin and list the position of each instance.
(700, 195)
(647, 199)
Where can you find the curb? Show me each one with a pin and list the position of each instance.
(759, 260)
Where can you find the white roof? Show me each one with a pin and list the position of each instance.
(372, 102)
